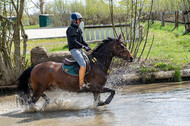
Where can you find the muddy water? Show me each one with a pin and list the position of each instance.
(166, 104)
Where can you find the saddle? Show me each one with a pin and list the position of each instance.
(69, 62)
(71, 67)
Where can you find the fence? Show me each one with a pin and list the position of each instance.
(182, 17)
(100, 32)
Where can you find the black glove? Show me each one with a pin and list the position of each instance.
(87, 48)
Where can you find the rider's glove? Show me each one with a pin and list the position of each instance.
(87, 48)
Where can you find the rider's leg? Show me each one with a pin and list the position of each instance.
(79, 55)
(82, 72)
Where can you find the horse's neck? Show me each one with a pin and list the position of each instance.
(104, 58)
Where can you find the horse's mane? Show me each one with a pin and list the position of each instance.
(105, 41)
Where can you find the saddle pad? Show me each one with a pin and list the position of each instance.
(73, 69)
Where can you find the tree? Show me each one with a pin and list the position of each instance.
(39, 5)
(12, 62)
(132, 9)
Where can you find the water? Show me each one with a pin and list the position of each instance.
(165, 104)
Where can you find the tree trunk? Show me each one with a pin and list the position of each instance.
(11, 63)
(42, 6)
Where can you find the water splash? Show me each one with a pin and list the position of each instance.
(60, 100)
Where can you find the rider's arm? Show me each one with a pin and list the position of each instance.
(84, 43)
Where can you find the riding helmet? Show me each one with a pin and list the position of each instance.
(75, 16)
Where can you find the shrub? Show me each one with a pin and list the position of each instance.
(177, 76)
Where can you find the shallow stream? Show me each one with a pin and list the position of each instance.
(164, 104)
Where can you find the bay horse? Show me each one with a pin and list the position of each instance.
(51, 73)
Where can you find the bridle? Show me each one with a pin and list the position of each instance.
(95, 61)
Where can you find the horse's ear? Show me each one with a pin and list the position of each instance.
(119, 37)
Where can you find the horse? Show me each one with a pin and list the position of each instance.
(45, 74)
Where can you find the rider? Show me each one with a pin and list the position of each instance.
(76, 43)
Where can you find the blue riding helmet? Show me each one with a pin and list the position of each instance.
(75, 16)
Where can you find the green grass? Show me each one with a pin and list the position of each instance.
(177, 76)
(170, 46)
(65, 47)
(48, 44)
(31, 26)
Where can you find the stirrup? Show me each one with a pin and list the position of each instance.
(83, 88)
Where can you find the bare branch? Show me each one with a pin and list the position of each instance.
(149, 49)
(5, 18)
(146, 33)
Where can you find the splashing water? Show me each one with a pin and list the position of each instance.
(60, 100)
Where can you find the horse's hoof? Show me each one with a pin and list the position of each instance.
(101, 103)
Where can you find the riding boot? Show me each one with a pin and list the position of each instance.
(83, 87)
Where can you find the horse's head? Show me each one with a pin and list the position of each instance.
(120, 50)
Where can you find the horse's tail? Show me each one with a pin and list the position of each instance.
(23, 86)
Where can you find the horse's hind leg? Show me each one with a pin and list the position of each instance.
(47, 100)
(36, 96)
(37, 93)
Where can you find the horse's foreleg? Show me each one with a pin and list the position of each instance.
(108, 100)
(96, 98)
(96, 89)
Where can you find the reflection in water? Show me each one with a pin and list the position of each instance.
(133, 105)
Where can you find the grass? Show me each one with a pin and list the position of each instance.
(48, 44)
(170, 46)
(52, 45)
(31, 26)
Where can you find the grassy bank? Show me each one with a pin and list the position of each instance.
(171, 46)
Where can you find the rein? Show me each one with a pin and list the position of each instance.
(94, 60)
(99, 54)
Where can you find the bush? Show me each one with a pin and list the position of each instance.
(177, 76)
(165, 66)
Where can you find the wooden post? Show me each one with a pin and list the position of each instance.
(152, 17)
(176, 18)
(186, 21)
(162, 19)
